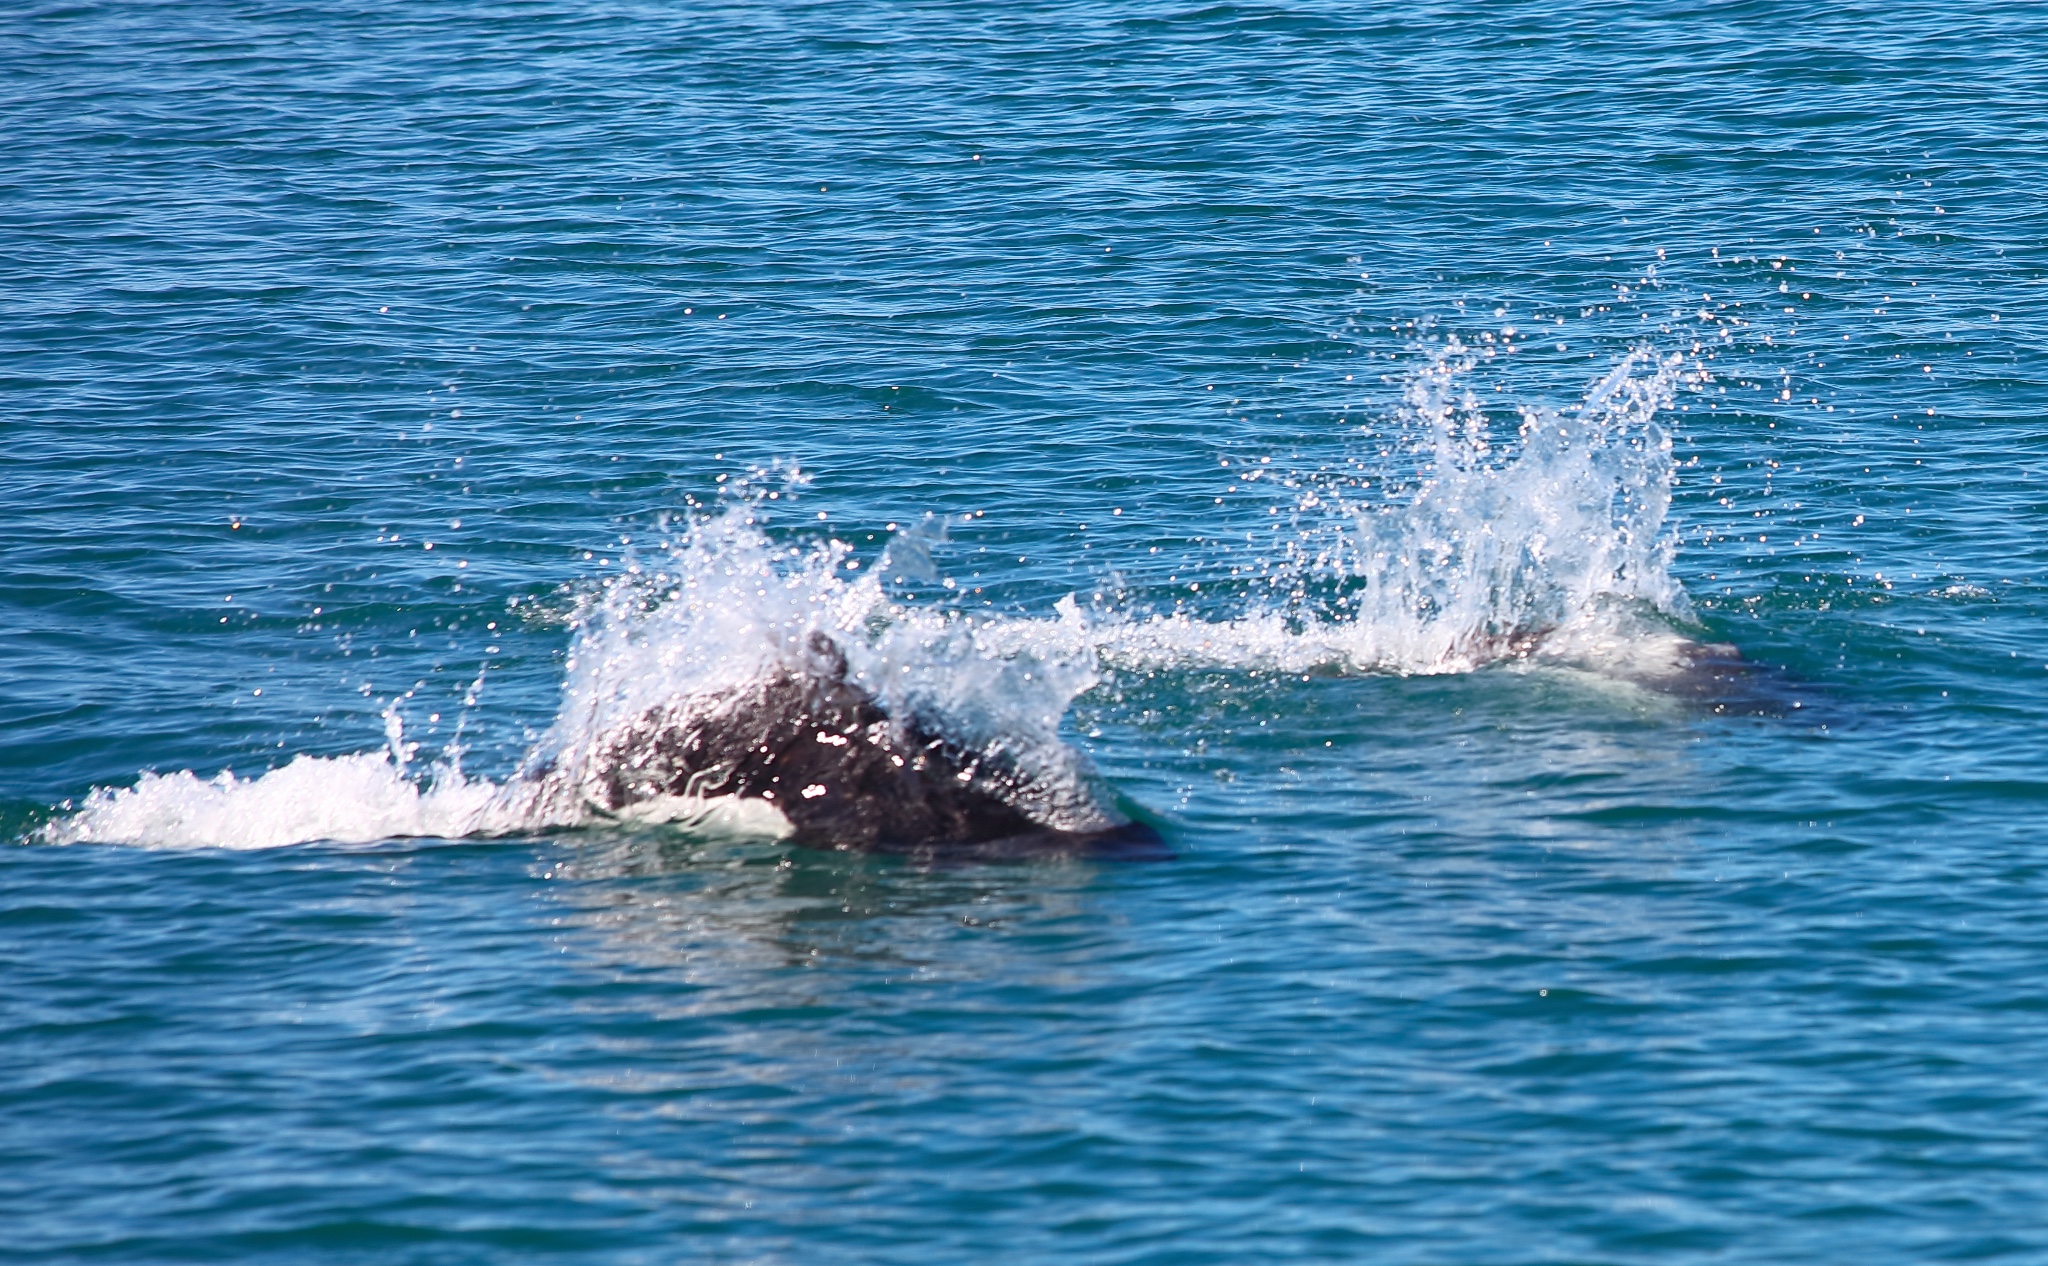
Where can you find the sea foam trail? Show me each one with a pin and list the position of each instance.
(1469, 545)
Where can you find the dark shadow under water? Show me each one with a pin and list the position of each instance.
(1717, 679)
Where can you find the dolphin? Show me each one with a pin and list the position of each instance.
(840, 769)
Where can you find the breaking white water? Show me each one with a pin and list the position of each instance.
(1462, 546)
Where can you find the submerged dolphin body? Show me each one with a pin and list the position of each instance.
(840, 769)
(1713, 675)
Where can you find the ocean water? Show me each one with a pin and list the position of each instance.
(1539, 505)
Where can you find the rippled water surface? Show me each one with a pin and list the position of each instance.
(1539, 506)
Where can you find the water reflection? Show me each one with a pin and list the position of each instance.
(729, 914)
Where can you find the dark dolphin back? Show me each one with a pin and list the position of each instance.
(844, 772)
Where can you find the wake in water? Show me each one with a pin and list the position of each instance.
(739, 685)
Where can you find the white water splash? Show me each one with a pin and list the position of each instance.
(1547, 546)
(726, 606)
(350, 799)
(723, 606)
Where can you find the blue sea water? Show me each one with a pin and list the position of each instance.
(1540, 505)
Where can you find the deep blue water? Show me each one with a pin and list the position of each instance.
(1578, 955)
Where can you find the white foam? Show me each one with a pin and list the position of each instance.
(351, 799)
